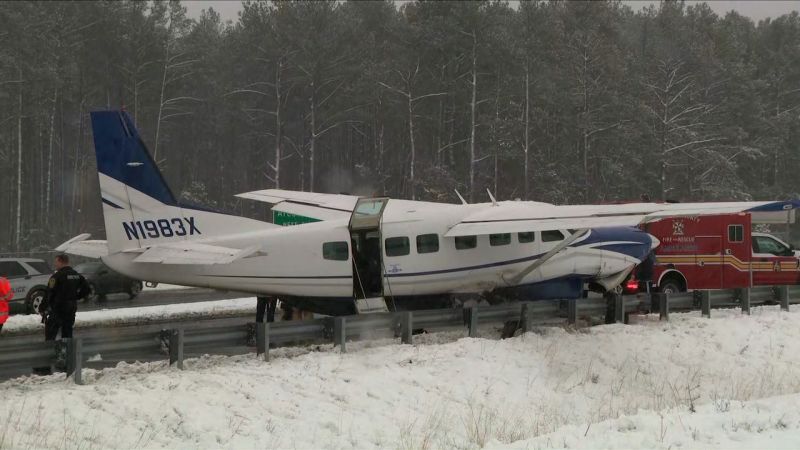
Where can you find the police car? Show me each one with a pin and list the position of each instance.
(28, 279)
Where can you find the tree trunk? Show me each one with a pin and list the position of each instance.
(49, 178)
(495, 137)
(163, 89)
(161, 105)
(527, 144)
(312, 144)
(18, 230)
(663, 144)
(473, 106)
(278, 127)
(412, 179)
(585, 83)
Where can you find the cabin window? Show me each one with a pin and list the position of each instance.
(499, 239)
(336, 251)
(397, 246)
(526, 237)
(552, 236)
(428, 243)
(735, 233)
(466, 242)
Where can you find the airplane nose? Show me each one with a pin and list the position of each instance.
(654, 242)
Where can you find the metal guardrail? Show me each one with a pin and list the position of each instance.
(101, 347)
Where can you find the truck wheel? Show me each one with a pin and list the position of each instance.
(35, 298)
(672, 286)
(134, 289)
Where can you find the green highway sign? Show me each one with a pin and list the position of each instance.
(286, 219)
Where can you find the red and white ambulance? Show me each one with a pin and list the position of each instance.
(718, 252)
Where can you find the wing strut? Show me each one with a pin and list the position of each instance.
(555, 250)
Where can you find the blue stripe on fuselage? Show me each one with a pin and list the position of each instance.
(639, 249)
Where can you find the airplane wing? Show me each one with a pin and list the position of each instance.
(335, 202)
(81, 245)
(319, 206)
(307, 204)
(192, 253)
(509, 217)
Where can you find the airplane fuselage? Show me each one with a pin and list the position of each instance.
(415, 258)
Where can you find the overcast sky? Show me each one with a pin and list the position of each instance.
(757, 10)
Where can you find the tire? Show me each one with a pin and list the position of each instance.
(672, 286)
(134, 289)
(34, 299)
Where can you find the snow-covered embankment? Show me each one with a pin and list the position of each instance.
(692, 382)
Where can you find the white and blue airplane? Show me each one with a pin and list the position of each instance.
(364, 253)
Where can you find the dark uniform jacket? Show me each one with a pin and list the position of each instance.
(64, 290)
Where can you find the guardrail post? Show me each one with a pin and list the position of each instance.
(75, 359)
(525, 320)
(176, 348)
(745, 300)
(472, 316)
(339, 333)
(663, 305)
(406, 327)
(619, 308)
(705, 303)
(262, 339)
(783, 297)
(572, 311)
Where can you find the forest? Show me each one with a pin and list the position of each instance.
(558, 101)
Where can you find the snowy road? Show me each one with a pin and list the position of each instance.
(731, 381)
(133, 316)
(156, 297)
(163, 295)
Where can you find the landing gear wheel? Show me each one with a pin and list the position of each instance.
(33, 301)
(134, 289)
(93, 295)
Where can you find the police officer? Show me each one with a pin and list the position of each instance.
(64, 290)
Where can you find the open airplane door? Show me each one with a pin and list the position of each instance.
(365, 240)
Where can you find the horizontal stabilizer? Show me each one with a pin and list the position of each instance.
(81, 246)
(193, 253)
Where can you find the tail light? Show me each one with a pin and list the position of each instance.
(632, 285)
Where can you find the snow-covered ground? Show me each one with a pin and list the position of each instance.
(141, 315)
(731, 381)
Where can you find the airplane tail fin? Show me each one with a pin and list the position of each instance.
(139, 208)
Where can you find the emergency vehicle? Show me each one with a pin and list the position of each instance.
(717, 252)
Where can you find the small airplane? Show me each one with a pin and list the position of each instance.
(363, 254)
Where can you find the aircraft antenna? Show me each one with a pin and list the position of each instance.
(463, 202)
(491, 197)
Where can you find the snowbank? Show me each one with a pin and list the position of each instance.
(691, 382)
(140, 315)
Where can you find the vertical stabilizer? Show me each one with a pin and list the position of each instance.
(139, 208)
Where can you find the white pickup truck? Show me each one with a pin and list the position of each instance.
(28, 279)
